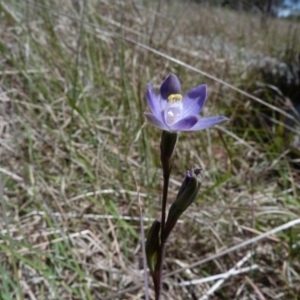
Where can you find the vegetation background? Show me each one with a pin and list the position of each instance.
(77, 156)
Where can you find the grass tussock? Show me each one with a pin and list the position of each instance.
(76, 154)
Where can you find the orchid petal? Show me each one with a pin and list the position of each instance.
(194, 100)
(157, 122)
(171, 85)
(153, 100)
(208, 122)
(185, 124)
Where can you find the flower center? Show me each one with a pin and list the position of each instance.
(175, 98)
(174, 108)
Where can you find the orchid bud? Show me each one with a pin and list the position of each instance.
(185, 197)
(152, 245)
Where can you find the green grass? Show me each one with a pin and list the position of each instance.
(76, 151)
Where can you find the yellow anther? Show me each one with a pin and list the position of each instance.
(175, 98)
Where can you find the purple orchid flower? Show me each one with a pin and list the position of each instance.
(172, 112)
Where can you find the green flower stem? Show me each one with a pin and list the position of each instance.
(161, 254)
(167, 145)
